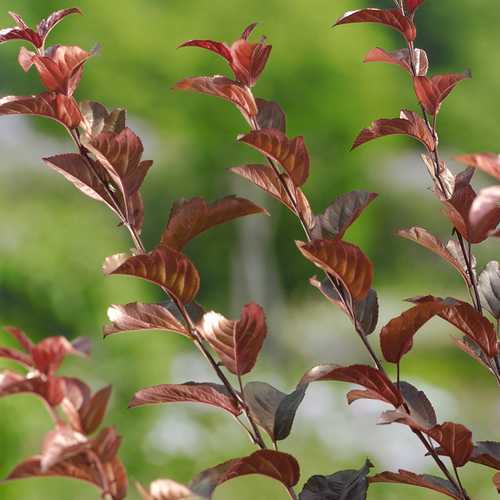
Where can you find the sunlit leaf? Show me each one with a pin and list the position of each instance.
(487, 162)
(416, 62)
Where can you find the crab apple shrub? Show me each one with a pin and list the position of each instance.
(107, 165)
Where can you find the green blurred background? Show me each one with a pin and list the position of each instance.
(53, 240)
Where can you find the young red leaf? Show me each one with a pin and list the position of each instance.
(58, 107)
(142, 317)
(455, 442)
(377, 384)
(346, 484)
(396, 337)
(487, 162)
(489, 288)
(60, 444)
(423, 238)
(415, 62)
(409, 123)
(274, 464)
(421, 480)
(166, 489)
(16, 356)
(50, 352)
(237, 342)
(120, 154)
(417, 411)
(411, 6)
(22, 339)
(50, 389)
(269, 115)
(163, 266)
(46, 25)
(431, 92)
(487, 453)
(189, 218)
(365, 311)
(61, 67)
(392, 18)
(20, 33)
(291, 154)
(220, 86)
(272, 409)
(265, 178)
(344, 261)
(97, 119)
(210, 394)
(473, 324)
(341, 214)
(93, 410)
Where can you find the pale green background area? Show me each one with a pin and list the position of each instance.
(53, 241)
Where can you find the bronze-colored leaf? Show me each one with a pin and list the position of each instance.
(188, 218)
(270, 115)
(291, 154)
(484, 216)
(344, 261)
(455, 441)
(487, 162)
(58, 107)
(237, 342)
(210, 394)
(60, 444)
(97, 119)
(416, 62)
(166, 489)
(141, 317)
(164, 266)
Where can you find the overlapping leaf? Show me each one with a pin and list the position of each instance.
(291, 154)
(58, 107)
(390, 17)
(220, 86)
(189, 218)
(431, 92)
(50, 389)
(269, 115)
(455, 441)
(408, 123)
(421, 480)
(487, 453)
(237, 342)
(489, 288)
(210, 394)
(163, 266)
(484, 216)
(344, 261)
(415, 62)
(97, 119)
(487, 162)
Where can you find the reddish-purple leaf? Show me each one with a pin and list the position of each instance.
(61, 67)
(188, 218)
(343, 260)
(396, 337)
(341, 214)
(140, 317)
(163, 266)
(17, 356)
(421, 480)
(392, 18)
(487, 162)
(237, 342)
(22, 339)
(427, 240)
(489, 288)
(97, 119)
(58, 107)
(190, 392)
(265, 178)
(377, 384)
(484, 215)
(412, 5)
(49, 353)
(274, 464)
(165, 489)
(409, 123)
(455, 441)
(93, 410)
(220, 86)
(416, 63)
(50, 389)
(218, 48)
(431, 92)
(60, 444)
(496, 481)
(46, 25)
(291, 154)
(269, 115)
(487, 453)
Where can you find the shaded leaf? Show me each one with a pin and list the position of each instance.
(409, 123)
(489, 288)
(237, 342)
(58, 107)
(274, 464)
(455, 441)
(92, 411)
(210, 394)
(341, 214)
(139, 317)
(416, 61)
(163, 266)
(270, 115)
(421, 480)
(396, 337)
(484, 214)
(343, 485)
(343, 260)
(487, 162)
(365, 310)
(392, 18)
(97, 119)
(189, 218)
(487, 453)
(291, 154)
